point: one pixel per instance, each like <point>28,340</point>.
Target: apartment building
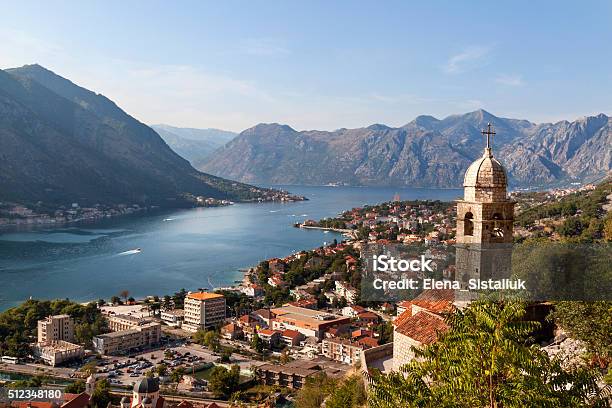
<point>311,323</point>
<point>342,350</point>
<point>120,342</point>
<point>58,327</point>
<point>203,310</point>
<point>56,352</point>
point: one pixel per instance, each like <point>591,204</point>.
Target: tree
<point>115,300</point>
<point>209,339</point>
<point>124,294</point>
<point>76,387</point>
<point>224,382</point>
<point>486,360</point>
<point>607,228</point>
<point>176,376</point>
<point>589,322</point>
<point>257,343</point>
<point>101,396</point>
<point>314,391</point>
<point>161,369</point>
<point>349,394</point>
<point>101,302</point>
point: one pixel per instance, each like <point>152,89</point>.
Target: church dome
<point>485,172</point>
<point>146,386</point>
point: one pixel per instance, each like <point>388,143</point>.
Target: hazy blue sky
<point>322,65</point>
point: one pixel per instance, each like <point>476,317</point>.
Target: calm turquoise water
<point>190,249</point>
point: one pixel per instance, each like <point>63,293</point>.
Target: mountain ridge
<point>62,143</point>
<point>425,152</point>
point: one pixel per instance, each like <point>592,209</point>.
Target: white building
<point>203,310</point>
<point>58,327</point>
<point>173,317</point>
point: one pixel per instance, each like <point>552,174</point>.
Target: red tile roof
<point>368,341</point>
<point>291,333</point>
<point>423,327</point>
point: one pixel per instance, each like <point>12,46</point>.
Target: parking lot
<point>124,371</point>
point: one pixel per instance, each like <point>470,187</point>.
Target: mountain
<point>61,143</point>
<point>193,144</point>
<point>427,152</point>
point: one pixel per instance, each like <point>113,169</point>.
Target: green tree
<point>208,338</point>
<point>101,396</point>
<point>589,322</point>
<point>349,394</point>
<point>314,391</point>
<point>161,369</point>
<point>224,382</point>
<point>76,387</point>
<point>486,360</point>
<point>257,343</point>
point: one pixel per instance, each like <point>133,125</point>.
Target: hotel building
<point>203,310</point>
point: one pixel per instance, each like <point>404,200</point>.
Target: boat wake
<point>168,219</point>
<point>131,252</point>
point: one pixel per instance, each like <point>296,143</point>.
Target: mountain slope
<point>62,143</point>
<point>426,152</point>
<point>193,144</point>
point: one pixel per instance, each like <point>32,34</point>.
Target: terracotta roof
<point>267,332</point>
<point>265,313</point>
<point>291,333</point>
<point>367,315</point>
<point>79,401</point>
<point>402,317</point>
<point>368,341</point>
<point>435,300</point>
<point>204,295</point>
<point>423,327</point>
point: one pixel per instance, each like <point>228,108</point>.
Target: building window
<point>498,228</point>
<point>468,224</point>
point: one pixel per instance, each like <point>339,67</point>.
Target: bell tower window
<point>498,228</point>
<point>468,224</point>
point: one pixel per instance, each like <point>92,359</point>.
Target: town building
<point>291,338</point>
<point>311,323</point>
<point>231,331</point>
<point>57,352</point>
<point>271,338</point>
<point>173,317</point>
<point>203,310</point>
<point>342,350</point>
<point>140,336</point>
<point>58,327</point>
<point>293,374</point>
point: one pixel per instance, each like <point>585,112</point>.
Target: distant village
<point>14,214</point>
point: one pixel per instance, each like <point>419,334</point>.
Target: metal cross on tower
<point>488,133</point>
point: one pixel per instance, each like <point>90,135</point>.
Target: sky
<point>322,64</point>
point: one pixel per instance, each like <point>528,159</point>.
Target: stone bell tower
<point>485,220</point>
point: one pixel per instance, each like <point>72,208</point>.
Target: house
<point>264,317</point>
<point>276,281</point>
<point>291,338</point>
<point>270,337</point>
<point>342,350</point>
<point>253,290</point>
<point>173,317</point>
<point>352,311</point>
<point>231,331</point>
<point>367,318</point>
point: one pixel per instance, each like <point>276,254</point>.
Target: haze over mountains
<point>193,144</point>
<point>427,152</point>
<point>61,143</point>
